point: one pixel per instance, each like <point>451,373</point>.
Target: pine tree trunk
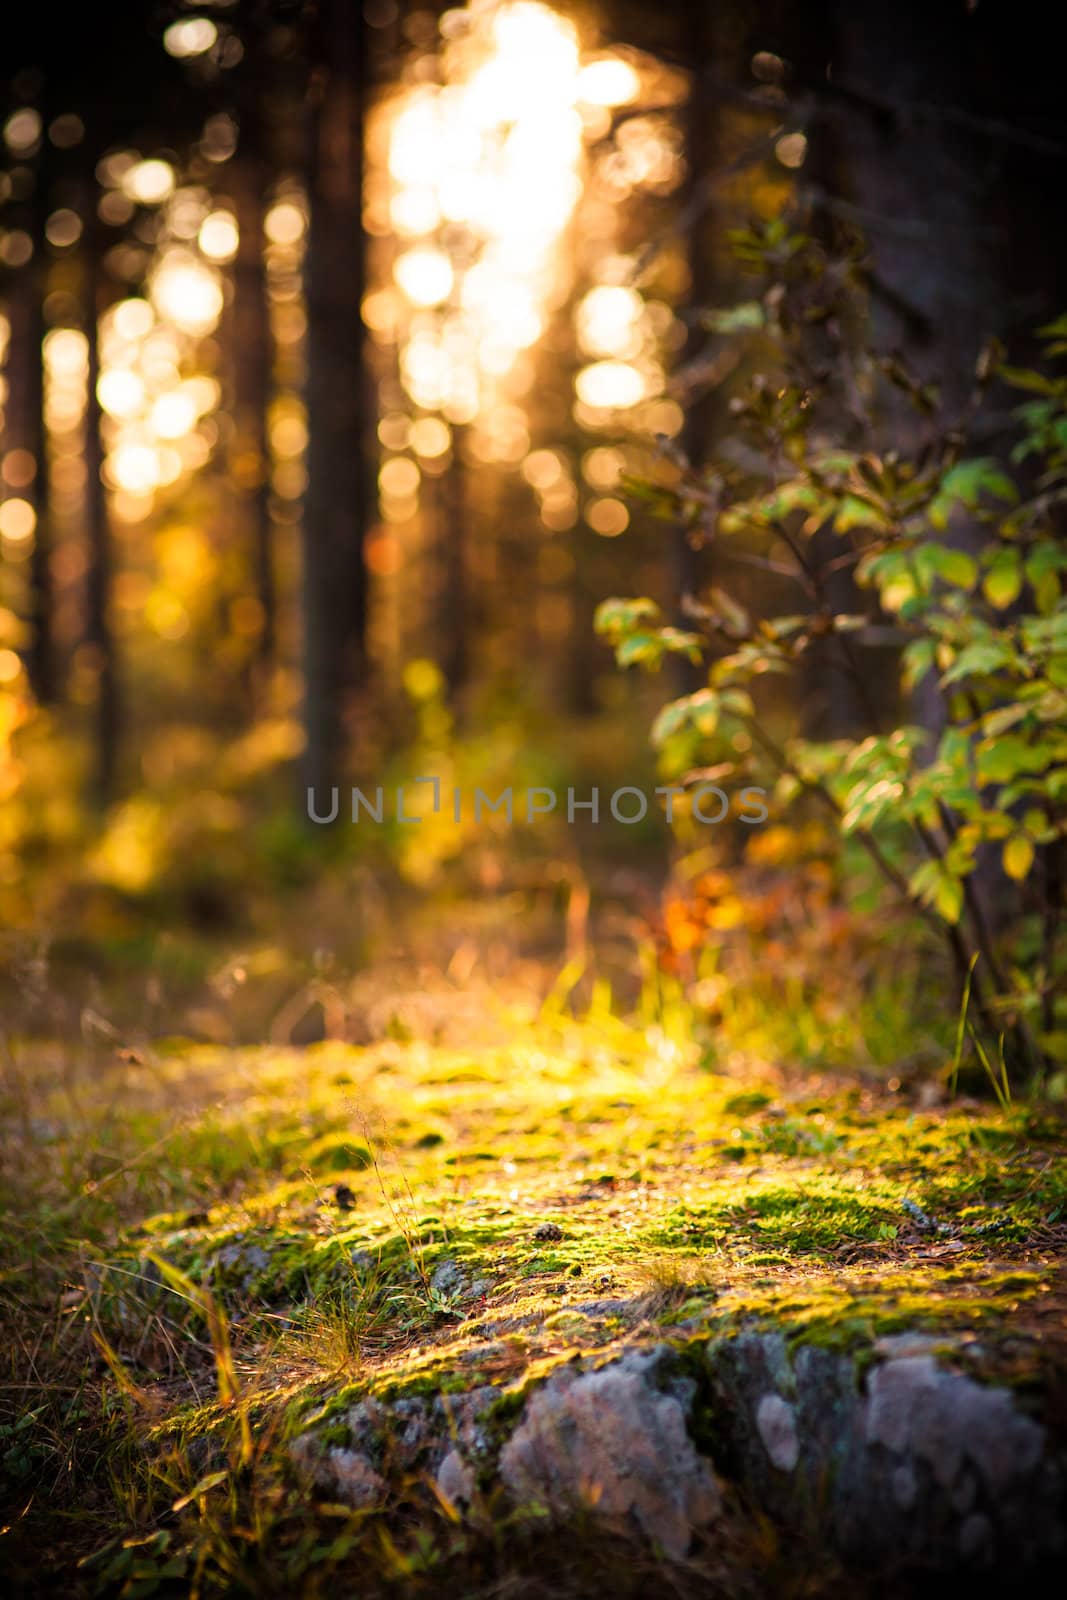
<point>29,397</point>
<point>334,586</point>
<point>253,376</point>
<point>98,633</point>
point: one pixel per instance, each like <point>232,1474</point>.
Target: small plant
<point>952,561</point>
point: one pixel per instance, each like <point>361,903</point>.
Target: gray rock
<point>611,1442</point>
<point>905,1488</point>
<point>394,1435</point>
<point>354,1478</point>
<point>918,1410</point>
<point>888,1453</point>
<point>348,1475</point>
<point>907,1462</point>
<point>776,1421</point>
<point>241,1258</point>
<point>447,1278</point>
<point>455,1479</point>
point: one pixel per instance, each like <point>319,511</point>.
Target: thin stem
<point>962,954</point>
<point>982,939</point>
<point>1053,911</point>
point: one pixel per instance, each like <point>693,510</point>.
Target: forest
<point>533,799</point>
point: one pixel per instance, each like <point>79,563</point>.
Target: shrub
<point>840,462</point>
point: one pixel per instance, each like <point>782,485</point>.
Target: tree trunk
<point>98,632</point>
<point>253,376</point>
<point>334,585</point>
<point>28,383</point>
<point>701,146</point>
<point>940,134</point>
<point>454,579</point>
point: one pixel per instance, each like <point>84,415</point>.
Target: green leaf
<point>948,899</point>
<point>738,701</point>
<point>212,1481</point>
<point>954,566</point>
<point>614,617</point>
<point>857,513</point>
<point>964,485</point>
<point>1046,592</point>
<point>897,591</point>
<point>743,318</point>
<point>1004,580</point>
<point>1004,717</point>
<point>917,660</point>
<point>1002,760</point>
<point>638,648</point>
<point>679,643</point>
<point>1054,1044</point>
<point>727,610</point>
<point>1018,856</point>
<point>978,660</point>
<point>1045,557</point>
<point>1027,378</point>
<point>782,627</point>
<point>700,711</point>
<point>796,495</point>
<point>934,885</point>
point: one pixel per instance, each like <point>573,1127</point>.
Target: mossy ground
<point>202,1237</point>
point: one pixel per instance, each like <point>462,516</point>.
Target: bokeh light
<point>608,82</point>
<point>22,130</point>
<point>186,293</point>
<point>148,182</point>
<point>494,187</point>
<point>192,36</point>
<point>218,236</point>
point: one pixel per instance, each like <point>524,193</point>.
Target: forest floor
<point>272,1313</point>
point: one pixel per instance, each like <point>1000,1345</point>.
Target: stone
<point>917,1409</point>
<point>455,1479</point>
<point>905,1462</point>
<point>611,1442</point>
<point>348,1475</point>
<point>905,1488</point>
<point>447,1278</point>
<point>776,1421</point>
<point>354,1478</point>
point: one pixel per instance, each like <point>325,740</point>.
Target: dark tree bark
<point>454,586</point>
<point>701,148</point>
<point>253,378</point>
<point>98,631</point>
<point>334,583</point>
<point>937,133</point>
<point>940,133</point>
<point>28,382</point>
<point>585,657</point>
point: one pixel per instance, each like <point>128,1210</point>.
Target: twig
<point>703,193</point>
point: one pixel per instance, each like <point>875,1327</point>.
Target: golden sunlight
<point>495,196</point>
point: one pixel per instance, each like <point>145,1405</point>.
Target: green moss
<point>843,1316</point>
<point>692,1207</point>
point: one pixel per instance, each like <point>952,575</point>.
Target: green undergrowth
<point>228,1248</point>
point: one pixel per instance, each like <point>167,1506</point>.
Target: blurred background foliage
<point>352,356</point>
